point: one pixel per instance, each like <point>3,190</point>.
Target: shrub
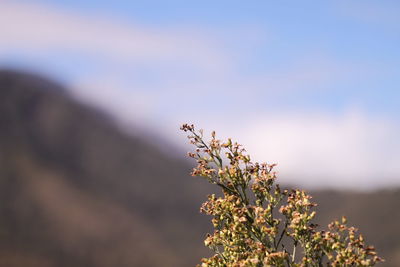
<point>259,224</point>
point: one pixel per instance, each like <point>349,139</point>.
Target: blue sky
<point>293,80</point>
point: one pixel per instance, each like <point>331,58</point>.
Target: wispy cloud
<point>42,28</point>
<point>348,150</point>
<point>316,150</point>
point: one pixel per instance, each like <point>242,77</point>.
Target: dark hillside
<point>76,191</point>
<point>74,188</point>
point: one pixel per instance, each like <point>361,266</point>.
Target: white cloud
<point>351,150</point>
<point>36,27</point>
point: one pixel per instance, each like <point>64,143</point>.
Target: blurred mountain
<point>75,190</point>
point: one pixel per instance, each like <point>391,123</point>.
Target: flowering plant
<point>259,224</point>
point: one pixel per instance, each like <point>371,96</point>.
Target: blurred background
<point>92,93</point>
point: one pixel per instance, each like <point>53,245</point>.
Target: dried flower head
<point>258,224</point>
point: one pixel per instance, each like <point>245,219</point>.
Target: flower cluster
<point>258,224</point>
